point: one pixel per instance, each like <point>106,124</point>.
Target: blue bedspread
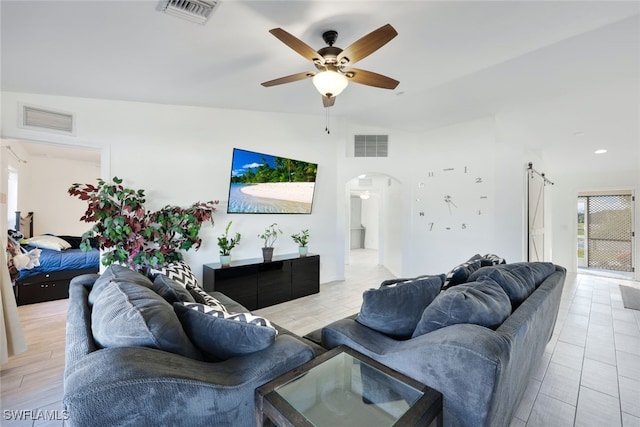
<point>69,259</point>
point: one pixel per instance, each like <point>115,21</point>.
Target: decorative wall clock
<point>453,198</point>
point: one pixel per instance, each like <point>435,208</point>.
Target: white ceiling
<point>455,60</point>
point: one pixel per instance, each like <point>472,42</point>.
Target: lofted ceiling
<point>555,69</point>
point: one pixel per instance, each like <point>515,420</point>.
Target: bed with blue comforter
<point>50,280</point>
<point>55,261</point>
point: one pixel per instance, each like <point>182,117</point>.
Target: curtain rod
<point>546,180</point>
<point>18,158</point>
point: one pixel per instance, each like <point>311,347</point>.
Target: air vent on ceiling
<point>371,146</point>
<point>192,10</point>
<point>46,120</point>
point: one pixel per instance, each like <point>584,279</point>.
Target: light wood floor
<point>589,375</point>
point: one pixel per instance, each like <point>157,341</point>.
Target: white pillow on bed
<point>48,242</point>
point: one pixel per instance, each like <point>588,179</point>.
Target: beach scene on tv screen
<point>262,183</point>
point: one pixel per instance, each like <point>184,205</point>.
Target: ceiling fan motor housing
<point>330,37</point>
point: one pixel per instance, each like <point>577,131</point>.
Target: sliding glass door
<point>605,221</point>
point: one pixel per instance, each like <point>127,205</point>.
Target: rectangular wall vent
<point>197,11</point>
<point>371,146</point>
<point>48,120</point>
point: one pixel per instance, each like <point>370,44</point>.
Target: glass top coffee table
<point>345,388</point>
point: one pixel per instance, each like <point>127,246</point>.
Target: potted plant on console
<point>226,244</point>
<point>269,237</point>
<point>302,239</point>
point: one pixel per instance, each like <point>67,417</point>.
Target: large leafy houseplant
<point>131,235</point>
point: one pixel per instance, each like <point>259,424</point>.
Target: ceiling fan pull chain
<point>326,121</point>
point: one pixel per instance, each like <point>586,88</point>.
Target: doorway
<point>605,233</point>
<point>373,226</point>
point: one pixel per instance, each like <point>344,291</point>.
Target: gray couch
<point>481,372</point>
<point>141,386</point>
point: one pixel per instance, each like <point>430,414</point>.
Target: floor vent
<point>197,11</point>
<point>46,120</point>
<point>371,146</point>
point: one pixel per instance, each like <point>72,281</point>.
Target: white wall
<point>411,156</point>
<point>55,211</point>
<point>181,155</point>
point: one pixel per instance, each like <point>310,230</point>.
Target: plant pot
<point>267,254</point>
<point>303,251</point>
<point>225,260</point>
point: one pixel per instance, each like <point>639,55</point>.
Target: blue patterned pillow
<point>220,335</point>
<point>481,303</point>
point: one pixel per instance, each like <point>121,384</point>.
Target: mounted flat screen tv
<point>263,183</point>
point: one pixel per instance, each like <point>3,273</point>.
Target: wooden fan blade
<point>296,44</point>
<point>328,102</point>
<point>370,78</point>
<point>366,45</point>
<point>289,79</point>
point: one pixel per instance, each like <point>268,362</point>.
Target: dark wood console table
<point>257,284</point>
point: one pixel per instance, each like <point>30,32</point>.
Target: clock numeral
<point>465,169</point>
<point>421,185</point>
<point>479,211</point>
<point>483,197</point>
<point>420,213</point>
<point>478,180</point>
<point>448,228</point>
<point>448,169</point>
<point>464,226</point>
<point>430,226</point>
<point>430,174</point>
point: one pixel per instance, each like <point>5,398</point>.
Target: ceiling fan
<point>334,64</point>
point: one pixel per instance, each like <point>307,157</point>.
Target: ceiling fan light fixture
<point>330,83</point>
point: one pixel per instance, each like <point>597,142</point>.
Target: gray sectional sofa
<point>115,377</point>
<point>482,371</point>
<point>147,352</point>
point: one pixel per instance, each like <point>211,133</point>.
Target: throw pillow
<point>481,303</point>
<point>460,273</point>
<point>181,273</point>
<point>220,335</point>
<point>170,290</point>
<point>129,315</point>
<point>494,259</point>
<point>395,309</point>
<point>117,273</point>
<point>398,280</point>
<point>533,272</point>
<point>53,243</point>
<point>513,281</point>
